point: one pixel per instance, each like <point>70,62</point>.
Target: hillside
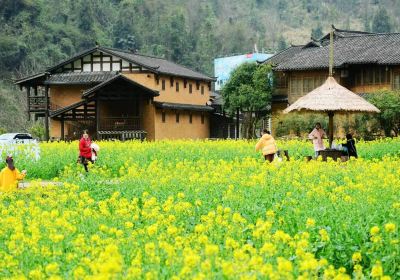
<point>36,34</point>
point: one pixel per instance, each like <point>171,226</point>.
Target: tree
<point>249,89</point>
<point>389,117</point>
<point>282,43</point>
<point>381,22</point>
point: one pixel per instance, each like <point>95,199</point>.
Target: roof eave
<point>92,90</point>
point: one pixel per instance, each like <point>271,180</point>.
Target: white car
<point>16,138</point>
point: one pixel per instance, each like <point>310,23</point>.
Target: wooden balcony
<point>122,135</point>
<point>120,124</point>
<point>37,103</point>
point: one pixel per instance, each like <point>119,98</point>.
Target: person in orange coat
<point>267,145</point>
<point>10,175</point>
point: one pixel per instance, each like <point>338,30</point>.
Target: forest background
<point>35,34</point>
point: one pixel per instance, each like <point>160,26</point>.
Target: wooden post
<point>330,114</point>
<point>28,95</point>
<point>237,124</point>
<point>97,117</point>
<point>331,54</point>
<point>46,113</point>
<point>62,128</point>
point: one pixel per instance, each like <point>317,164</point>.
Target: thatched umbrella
<point>332,98</point>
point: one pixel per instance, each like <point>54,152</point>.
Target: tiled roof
<point>179,106</point>
<point>160,65</point>
<point>79,78</point>
<point>153,64</point>
<point>349,48</point>
<point>283,55</point>
<point>217,99</point>
<point>120,78</point>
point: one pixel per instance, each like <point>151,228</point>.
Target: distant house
<point>363,62</point>
<point>120,94</point>
<point>223,66</point>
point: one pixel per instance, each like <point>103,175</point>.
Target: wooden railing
<point>120,124</point>
<point>37,103</point>
<point>122,135</point>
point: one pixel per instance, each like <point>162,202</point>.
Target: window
<point>190,118</point>
<point>202,118</point>
<point>281,80</point>
<point>372,76</point>
<point>202,90</point>
<point>171,81</point>
<point>296,86</point>
<point>190,88</point>
<point>319,80</point>
<point>308,85</point>
<point>163,84</point>
<point>177,117</point>
<point>177,86</point>
<point>396,81</point>
<point>197,85</point>
<point>163,117</point>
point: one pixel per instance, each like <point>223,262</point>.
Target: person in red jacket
<point>85,151</point>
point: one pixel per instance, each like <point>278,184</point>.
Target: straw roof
<point>332,97</point>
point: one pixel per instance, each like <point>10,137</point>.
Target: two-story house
<point>120,94</point>
<point>363,62</point>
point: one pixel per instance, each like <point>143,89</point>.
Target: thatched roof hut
<point>332,98</point>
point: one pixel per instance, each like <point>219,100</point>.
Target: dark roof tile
<point>79,78</point>
<point>179,106</point>
<point>349,48</point>
<point>160,65</point>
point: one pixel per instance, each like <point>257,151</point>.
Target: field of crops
<point>191,209</point>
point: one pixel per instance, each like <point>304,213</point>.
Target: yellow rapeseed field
<point>202,210</point>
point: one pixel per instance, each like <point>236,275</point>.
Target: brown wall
<point>148,118</point>
<point>62,96</point>
<point>170,94</point>
<point>55,129</point>
<point>182,130</point>
<point>66,95</point>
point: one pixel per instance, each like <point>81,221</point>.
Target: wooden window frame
<point>394,85</point>
<point>202,90</point>
<point>177,86</point>
<point>163,117</point>
<point>190,118</point>
<point>163,84</point>
<point>177,116</point>
<point>190,88</point>
<point>202,118</point>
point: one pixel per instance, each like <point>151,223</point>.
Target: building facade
<point>120,95</point>
<point>363,62</point>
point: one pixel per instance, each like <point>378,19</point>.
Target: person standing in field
<point>317,136</point>
<point>10,175</point>
<point>85,151</point>
<point>267,145</point>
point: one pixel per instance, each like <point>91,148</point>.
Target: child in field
<point>10,175</point>
<point>95,149</point>
<point>350,146</point>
